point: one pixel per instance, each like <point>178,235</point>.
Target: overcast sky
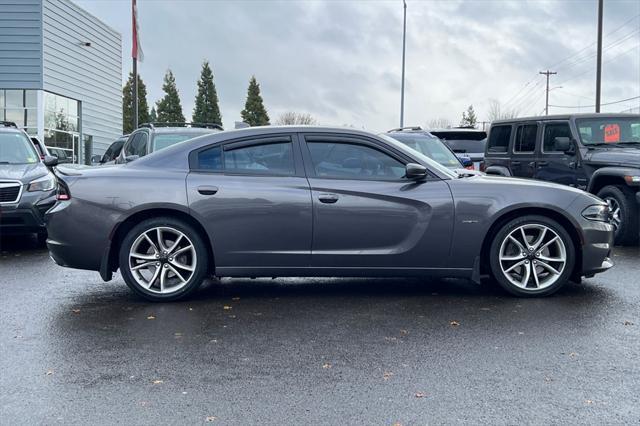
<point>341,60</point>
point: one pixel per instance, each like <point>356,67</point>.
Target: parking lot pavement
<point>77,350</point>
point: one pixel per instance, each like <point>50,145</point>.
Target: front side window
<point>269,158</point>
<point>609,130</point>
<point>353,161</point>
<point>526,138</point>
<point>499,139</point>
<point>553,131</point>
<point>16,148</point>
<point>113,151</point>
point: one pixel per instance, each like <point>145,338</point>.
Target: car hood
<point>25,173</point>
<point>614,156</point>
<point>521,183</point>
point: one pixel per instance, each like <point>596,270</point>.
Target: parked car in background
<point>39,146</point>
<point>314,201</point>
<point>599,153</point>
<point>465,142</point>
<point>112,153</point>
<point>425,143</point>
<point>64,156</point>
<point>27,187</point>
<point>151,137</point>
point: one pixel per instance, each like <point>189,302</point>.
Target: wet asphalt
<point>75,350</point>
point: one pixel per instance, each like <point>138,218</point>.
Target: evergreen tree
<point>127,104</point>
<point>206,109</point>
<point>153,116</point>
<point>254,112</point>
<point>169,109</point>
<point>469,118</point>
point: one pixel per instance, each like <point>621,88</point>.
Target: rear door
<point>254,200</point>
<point>523,158</point>
<point>366,214</point>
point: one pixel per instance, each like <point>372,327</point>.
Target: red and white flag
<point>136,48</point>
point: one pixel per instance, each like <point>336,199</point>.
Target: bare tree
<point>290,117</point>
<point>439,123</point>
<point>497,113</point>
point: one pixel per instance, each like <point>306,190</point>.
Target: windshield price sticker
<point>612,133</point>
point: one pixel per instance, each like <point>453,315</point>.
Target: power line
<point>591,106</point>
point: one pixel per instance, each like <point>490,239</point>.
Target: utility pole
<point>599,57</point>
<point>404,43</point>
<point>548,74</point>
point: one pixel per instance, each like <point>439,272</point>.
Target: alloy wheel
<point>162,260</point>
<point>532,257</point>
<point>614,208</point>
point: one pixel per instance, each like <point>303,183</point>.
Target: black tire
<point>41,238</point>
<point>627,232</point>
<point>199,271</point>
<point>514,224</point>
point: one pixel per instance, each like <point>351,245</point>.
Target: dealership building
<point>60,75</point>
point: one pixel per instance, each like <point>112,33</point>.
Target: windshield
<point>430,146</point>
<point>609,130</point>
<point>412,152</point>
<point>16,148</point>
<point>165,140</point>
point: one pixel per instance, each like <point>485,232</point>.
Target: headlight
<point>596,212</point>
<point>45,183</point>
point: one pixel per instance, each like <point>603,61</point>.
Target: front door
<point>523,159</point>
<point>254,200</point>
<point>554,165</point>
<point>366,215</point>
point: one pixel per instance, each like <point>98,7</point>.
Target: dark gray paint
<point>275,226</point>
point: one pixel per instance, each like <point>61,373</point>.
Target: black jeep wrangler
<point>599,153</point>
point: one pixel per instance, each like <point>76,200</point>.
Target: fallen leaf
<point>588,401</point>
<point>75,311</point>
<point>405,332</point>
<point>151,317</point>
<point>520,333</point>
<point>50,373</point>
<point>387,375</point>
<point>326,365</point>
<point>573,354</point>
<point>226,307</point>
<point>627,322</point>
<point>209,419</point>
<point>177,335</point>
<point>420,395</point>
<point>548,379</point>
<point>454,323</point>
<point>158,382</point>
<point>235,298</point>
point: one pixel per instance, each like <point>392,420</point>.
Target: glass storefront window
<point>14,98</point>
<point>62,125</point>
<point>15,115</point>
<point>30,99</point>
<point>1,101</point>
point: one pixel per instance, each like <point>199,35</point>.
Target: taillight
<point>63,193</point>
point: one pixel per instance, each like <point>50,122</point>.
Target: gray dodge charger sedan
<point>311,201</point>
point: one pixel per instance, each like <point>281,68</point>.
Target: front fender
<point>616,172</point>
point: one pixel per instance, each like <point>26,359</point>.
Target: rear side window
<point>138,145</point>
<point>526,138</point>
<point>259,159</point>
<point>499,139</point>
<point>553,131</point>
<point>113,151</point>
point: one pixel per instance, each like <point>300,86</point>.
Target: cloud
<point>341,61</point>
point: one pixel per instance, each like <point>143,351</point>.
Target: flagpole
<point>135,66</point>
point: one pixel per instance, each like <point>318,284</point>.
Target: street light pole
<point>404,43</point>
<point>599,57</point>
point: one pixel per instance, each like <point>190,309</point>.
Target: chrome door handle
<point>328,198</point>
<point>207,190</point>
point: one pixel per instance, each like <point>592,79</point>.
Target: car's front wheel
<point>532,256</point>
<point>163,259</point>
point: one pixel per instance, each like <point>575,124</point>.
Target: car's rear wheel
<point>163,259</point>
<point>532,256</point>
<point>624,213</point>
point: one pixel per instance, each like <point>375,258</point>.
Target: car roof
<point>563,117</point>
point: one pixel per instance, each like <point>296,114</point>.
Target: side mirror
<point>466,162</point>
<point>416,171</point>
<point>95,159</point>
<point>50,160</point>
<point>563,143</point>
<point>130,158</point>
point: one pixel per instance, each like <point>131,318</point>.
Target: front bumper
<point>596,248</point>
<point>27,216</point>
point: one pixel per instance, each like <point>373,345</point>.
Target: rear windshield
<point>609,130</point>
<point>16,148</point>
<point>464,146</point>
<point>162,141</point>
<point>460,135</point>
<point>430,146</point>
